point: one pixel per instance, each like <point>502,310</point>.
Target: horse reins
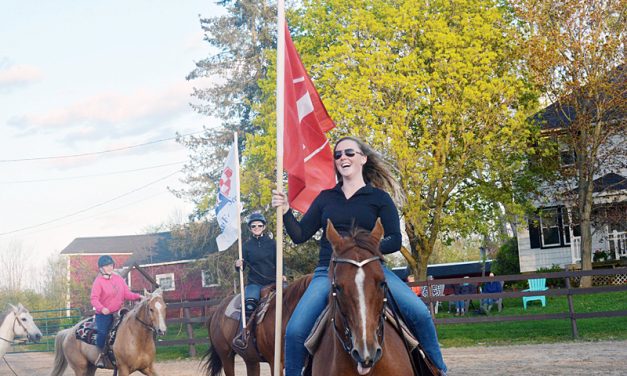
<point>347,339</point>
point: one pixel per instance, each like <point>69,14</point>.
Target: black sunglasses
<point>347,152</point>
<point>255,226</point>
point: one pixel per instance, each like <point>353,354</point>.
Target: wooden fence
<point>568,291</point>
<point>206,307</point>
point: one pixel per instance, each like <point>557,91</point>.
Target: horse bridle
<point>20,323</point>
<point>150,326</point>
<point>347,339</point>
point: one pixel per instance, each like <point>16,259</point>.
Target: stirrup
<point>240,341</point>
<point>100,363</point>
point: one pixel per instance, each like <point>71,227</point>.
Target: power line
<point>95,152</point>
<point>89,176</point>
<point>90,207</point>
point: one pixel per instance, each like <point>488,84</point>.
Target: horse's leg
<point>228,364</point>
<point>252,368</point>
<point>149,371</point>
<point>123,370</point>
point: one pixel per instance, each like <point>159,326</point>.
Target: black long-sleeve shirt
<point>361,210</point>
<point>260,258</point>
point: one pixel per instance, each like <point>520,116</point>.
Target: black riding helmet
<point>256,217</point>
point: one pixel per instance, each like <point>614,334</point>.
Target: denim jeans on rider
<point>417,317</point>
<point>252,291</point>
<point>303,319</point>
<point>103,324</point>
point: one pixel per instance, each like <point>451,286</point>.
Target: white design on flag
<point>318,150</point>
<point>226,208</point>
<point>304,105</point>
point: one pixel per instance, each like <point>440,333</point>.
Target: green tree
<point>576,52</point>
<point>438,88</point>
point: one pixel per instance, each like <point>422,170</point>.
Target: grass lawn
<point>544,331</point>
<point>504,333</point>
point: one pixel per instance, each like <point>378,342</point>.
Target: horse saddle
<point>315,336</point>
<point>87,332</point>
<point>234,308</point>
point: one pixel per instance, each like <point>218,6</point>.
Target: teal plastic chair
<point>538,284</point>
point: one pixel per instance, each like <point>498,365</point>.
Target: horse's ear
<point>332,235</point>
<point>14,308</point>
<point>146,293</point>
<point>20,307</point>
<point>377,231</point>
<point>158,292</point>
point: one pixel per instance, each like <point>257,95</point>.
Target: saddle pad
<point>313,340</point>
<point>234,308</point>
<point>86,331</point>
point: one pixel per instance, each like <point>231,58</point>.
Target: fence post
<point>190,331</point>
<point>571,309</point>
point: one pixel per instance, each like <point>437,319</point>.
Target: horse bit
<point>347,341</point>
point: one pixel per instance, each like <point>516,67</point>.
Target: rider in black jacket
<point>259,257</point>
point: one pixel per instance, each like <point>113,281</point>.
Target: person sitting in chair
<point>492,287</point>
<point>259,257</point>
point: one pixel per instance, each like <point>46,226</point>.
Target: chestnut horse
<point>353,341</point>
<point>222,330</point>
<point>134,346</point>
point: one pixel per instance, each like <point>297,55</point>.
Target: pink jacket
<point>110,293</point>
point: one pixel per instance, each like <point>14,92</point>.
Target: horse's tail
<point>60,362</point>
<point>211,362</point>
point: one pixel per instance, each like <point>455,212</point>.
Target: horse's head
<point>24,326</point>
<point>358,294</point>
<point>155,311</point>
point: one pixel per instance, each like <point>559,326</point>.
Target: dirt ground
<point>572,359</point>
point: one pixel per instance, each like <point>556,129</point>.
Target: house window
<point>549,227</point>
<point>565,225</point>
<point>567,154</point>
<point>208,280</point>
<point>166,281</point>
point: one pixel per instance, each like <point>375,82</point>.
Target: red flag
<point>307,156</point>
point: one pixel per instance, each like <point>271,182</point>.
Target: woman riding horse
<point>357,200</point>
<point>108,293</point>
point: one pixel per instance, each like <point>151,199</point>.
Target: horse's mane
<point>358,237</point>
<point>3,315</point>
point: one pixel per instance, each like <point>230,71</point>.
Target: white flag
<point>228,201</point>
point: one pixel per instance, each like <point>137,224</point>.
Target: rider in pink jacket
<point>108,293</point>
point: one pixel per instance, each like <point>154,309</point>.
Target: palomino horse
<point>17,323</point>
<point>222,330</point>
<point>353,341</point>
<point>134,346</point>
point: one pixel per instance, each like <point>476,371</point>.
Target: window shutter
<point>534,233</point>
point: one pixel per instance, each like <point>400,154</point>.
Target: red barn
<point>180,276</point>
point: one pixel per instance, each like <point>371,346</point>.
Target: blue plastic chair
<point>538,284</point>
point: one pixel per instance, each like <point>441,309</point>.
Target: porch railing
<point>616,244</point>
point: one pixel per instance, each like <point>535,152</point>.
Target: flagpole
<point>280,116</point>
<point>239,231</point>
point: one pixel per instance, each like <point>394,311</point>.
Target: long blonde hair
<point>376,171</point>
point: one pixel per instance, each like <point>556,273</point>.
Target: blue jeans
<point>415,312</point>
<point>417,317</point>
<point>301,322</point>
<point>252,291</point>
<point>460,304</point>
<point>103,324</point>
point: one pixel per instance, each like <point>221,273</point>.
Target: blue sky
<point>83,77</point>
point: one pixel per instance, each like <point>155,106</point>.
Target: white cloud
<point>18,75</point>
<point>111,114</point>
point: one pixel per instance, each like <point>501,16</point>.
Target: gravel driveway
<point>568,358</point>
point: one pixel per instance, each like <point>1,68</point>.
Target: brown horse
<point>353,342</point>
<point>222,330</point>
<point>134,346</point>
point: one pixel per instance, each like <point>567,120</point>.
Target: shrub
<point>506,261</point>
<point>553,282</point>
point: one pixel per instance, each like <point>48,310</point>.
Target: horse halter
<point>346,338</point>
<point>148,326</point>
<point>17,320</point>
